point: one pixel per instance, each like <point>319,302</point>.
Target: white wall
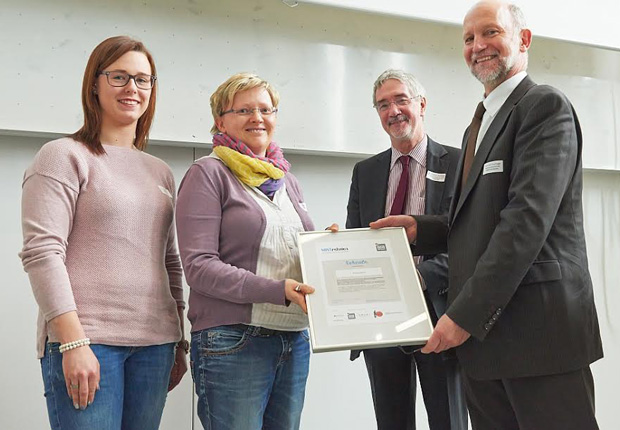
<point>592,22</point>
<point>601,202</point>
<point>338,394</point>
<point>324,61</point>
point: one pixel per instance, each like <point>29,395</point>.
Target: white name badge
<point>496,166</point>
<point>437,177</point>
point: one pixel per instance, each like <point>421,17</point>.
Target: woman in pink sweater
<point>99,249</point>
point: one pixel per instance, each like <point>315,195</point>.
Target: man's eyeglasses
<point>264,111</point>
<point>120,79</point>
<point>384,105</point>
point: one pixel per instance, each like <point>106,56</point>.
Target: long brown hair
<point>106,53</point>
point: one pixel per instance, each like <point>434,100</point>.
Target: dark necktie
<point>474,128</point>
<point>403,185</point>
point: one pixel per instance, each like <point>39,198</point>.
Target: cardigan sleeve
<point>172,259</point>
<point>198,218</point>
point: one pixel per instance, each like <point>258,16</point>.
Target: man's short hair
<point>517,16</point>
<point>414,86</point>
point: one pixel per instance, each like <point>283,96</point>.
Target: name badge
<point>437,177</point>
<point>496,166</point>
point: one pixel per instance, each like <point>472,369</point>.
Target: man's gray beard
<point>495,77</point>
<point>406,135</point>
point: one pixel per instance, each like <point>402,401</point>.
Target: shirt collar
<point>496,99</point>
<point>418,153</point>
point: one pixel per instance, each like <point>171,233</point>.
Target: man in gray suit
<point>521,311</point>
<point>415,175</point>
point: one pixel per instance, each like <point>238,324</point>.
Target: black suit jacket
<point>367,203</point>
<point>519,280</point>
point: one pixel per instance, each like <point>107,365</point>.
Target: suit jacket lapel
<point>489,140</point>
<point>378,178</point>
<point>459,174</point>
<point>436,161</point>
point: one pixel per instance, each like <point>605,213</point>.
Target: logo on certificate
<point>378,314</point>
<point>381,246</point>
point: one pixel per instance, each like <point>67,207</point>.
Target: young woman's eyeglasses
<point>264,111</point>
<point>120,79</point>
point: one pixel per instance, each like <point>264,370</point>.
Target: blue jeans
<point>133,388</point>
<point>250,378</point>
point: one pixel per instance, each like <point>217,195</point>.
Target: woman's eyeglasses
<point>120,79</point>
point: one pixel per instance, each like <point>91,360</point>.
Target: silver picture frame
<point>368,294</point>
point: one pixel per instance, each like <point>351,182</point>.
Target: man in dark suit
<point>520,311</point>
<point>415,176</point>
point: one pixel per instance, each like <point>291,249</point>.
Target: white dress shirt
<point>495,100</point>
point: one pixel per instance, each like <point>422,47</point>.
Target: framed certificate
<point>367,290</point>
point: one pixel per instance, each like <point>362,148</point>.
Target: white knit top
<point>278,258</point>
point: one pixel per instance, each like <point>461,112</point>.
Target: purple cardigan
<point>219,228</point>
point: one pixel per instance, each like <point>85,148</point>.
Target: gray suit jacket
<point>519,280</point>
<point>367,203</point>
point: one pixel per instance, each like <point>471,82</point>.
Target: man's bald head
<point>496,41</point>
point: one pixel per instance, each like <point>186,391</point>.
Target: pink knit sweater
<point>99,239</point>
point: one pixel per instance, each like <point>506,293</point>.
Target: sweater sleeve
<point>173,261</point>
<point>48,209</point>
<point>198,218</point>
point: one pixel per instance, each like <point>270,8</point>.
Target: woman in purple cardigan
<point>238,214</point>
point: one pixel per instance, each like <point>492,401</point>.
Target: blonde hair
<point>225,93</point>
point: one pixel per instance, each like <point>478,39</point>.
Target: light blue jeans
<point>250,378</point>
<point>133,388</point>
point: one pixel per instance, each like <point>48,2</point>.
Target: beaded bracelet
<point>74,344</point>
